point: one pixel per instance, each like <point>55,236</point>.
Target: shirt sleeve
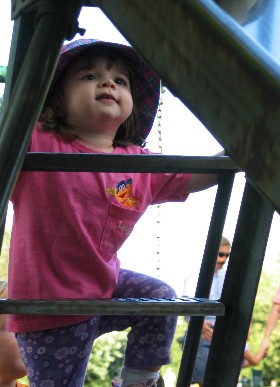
<point>170,187</point>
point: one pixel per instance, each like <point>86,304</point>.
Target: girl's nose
<point>107,82</point>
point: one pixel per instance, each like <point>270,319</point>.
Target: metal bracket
<point>22,6</point>
<point>42,7</point>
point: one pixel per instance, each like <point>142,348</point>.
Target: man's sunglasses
<point>221,255</point>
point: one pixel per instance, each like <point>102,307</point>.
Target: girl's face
<point>98,97</point>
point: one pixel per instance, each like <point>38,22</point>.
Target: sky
<point>168,241</point>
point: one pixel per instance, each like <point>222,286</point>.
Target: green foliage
<point>4,256</point>
<point>106,359</point>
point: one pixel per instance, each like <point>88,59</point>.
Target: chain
<point>160,147</point>
<point>159,117</point>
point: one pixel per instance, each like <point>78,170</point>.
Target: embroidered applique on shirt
<point>123,193</point>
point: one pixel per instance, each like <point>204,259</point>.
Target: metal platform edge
<point>115,306</point>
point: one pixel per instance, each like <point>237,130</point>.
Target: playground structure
<point>230,83</point>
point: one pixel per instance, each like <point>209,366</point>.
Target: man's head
<point>223,254</point>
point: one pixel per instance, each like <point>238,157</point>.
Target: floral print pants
<point>59,357</point>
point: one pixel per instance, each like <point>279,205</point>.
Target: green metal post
<point>3,73</point>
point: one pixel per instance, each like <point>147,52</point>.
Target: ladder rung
<point>183,306</point>
<point>69,162</point>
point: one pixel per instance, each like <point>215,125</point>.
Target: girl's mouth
<point>106,96</point>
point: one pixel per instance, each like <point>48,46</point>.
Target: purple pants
<point>58,357</point>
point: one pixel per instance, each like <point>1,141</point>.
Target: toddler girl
<point>68,226</point>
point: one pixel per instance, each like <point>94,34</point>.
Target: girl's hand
<point>200,182</point>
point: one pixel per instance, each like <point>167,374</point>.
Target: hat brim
<point>147,83</point>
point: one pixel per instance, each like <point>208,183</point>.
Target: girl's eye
<point>89,77</point>
<point>121,81</point>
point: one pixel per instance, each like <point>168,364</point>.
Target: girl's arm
<point>250,359</point>
<point>272,321</point>
<point>199,182</point>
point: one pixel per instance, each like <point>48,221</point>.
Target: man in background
<point>209,321</point>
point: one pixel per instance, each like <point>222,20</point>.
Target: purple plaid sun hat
<point>147,83</point>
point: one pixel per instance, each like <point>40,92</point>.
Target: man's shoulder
<point>221,272</point>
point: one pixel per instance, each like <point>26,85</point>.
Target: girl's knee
<point>164,291</point>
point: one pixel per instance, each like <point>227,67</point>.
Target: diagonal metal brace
<point>43,7</point>
<point>31,78</point>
